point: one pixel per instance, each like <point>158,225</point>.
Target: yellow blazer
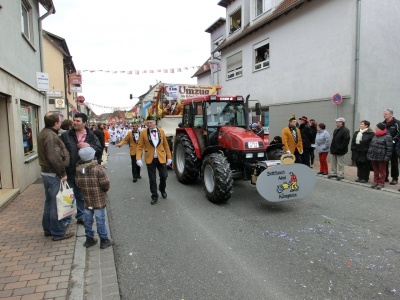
<point>289,142</point>
<point>146,144</point>
<point>132,142</point>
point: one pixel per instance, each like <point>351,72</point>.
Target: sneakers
<point>90,241</point>
<point>379,187</point>
<point>332,175</point>
<point>339,178</point>
<point>363,181</point>
<point>357,180</point>
<point>393,182</point>
<point>104,243</point>
<point>374,185</point>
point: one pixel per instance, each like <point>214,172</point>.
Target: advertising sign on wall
<point>184,91</point>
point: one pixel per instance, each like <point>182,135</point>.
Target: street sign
<point>81,99</point>
<point>337,98</point>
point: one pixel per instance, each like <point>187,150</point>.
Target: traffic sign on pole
<point>337,98</point>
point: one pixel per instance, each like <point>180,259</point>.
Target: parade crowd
<point>375,150</point>
<point>73,152</point>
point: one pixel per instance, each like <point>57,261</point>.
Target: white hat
<point>341,119</point>
<point>86,154</point>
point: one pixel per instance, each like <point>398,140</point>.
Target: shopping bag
<point>104,158</point>
<point>66,203</point>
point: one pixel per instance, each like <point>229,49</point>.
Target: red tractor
<point>213,142</point>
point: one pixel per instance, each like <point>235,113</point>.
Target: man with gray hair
<point>393,128</point>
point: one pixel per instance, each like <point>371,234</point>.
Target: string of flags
<point>90,104</point>
<point>205,67</point>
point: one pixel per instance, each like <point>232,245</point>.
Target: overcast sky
<point>129,35</point>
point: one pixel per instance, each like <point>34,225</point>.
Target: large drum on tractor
<point>213,143</point>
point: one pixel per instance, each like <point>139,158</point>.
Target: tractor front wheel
<point>217,178</point>
<point>186,164</point>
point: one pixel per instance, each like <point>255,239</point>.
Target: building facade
<point>22,105</point>
<point>294,55</point>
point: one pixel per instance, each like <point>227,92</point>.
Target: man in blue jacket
<point>80,136</point>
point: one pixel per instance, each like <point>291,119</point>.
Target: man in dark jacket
<point>339,147</point>
<point>53,157</point>
<point>100,135</point>
<point>393,128</point>
<point>307,137</point>
<point>74,139</point>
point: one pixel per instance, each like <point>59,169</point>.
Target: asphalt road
<point>340,243</point>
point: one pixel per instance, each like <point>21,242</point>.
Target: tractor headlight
<point>249,155</point>
<point>260,154</point>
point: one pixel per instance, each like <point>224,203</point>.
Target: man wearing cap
<point>339,147</point>
<point>307,138</point>
<point>53,158</point>
<point>153,142</point>
<point>291,139</point>
<point>133,139</point>
<point>74,139</point>
<point>393,128</point>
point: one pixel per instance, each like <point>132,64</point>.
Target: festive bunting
<point>205,67</point>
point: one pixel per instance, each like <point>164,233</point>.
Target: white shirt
<point>154,138</point>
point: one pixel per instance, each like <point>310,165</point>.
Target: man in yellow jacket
<point>291,139</point>
<point>133,139</point>
<point>154,144</point>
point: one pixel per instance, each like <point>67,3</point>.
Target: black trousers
<point>298,156</point>
<point>394,165</point>
<point>363,169</point>
<point>135,167</point>
<point>152,172</point>
<point>305,156</point>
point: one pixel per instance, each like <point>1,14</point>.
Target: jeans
<point>100,215</point>
<point>80,202</point>
<point>152,172</point>
<point>379,171</point>
<point>51,224</point>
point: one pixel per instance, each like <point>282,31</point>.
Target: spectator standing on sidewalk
<point>314,130</point>
<point>100,135</point>
<point>92,179</point>
<point>322,144</point>
<point>359,149</point>
<point>291,139</point>
<point>339,147</point>
<point>153,142</point>
<point>53,158</point>
<point>307,139</point>
<point>74,139</point>
<point>393,128</point>
<point>379,153</point>
<point>132,138</point>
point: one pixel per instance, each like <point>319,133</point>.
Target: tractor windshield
<point>225,113</point>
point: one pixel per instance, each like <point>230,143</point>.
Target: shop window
<point>26,20</point>
<point>29,125</point>
<point>262,6</point>
<point>234,66</point>
<point>261,56</point>
<point>235,21</point>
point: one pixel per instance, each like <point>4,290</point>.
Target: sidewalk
<point>35,267</point>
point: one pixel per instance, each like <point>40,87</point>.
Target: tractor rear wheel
<point>186,164</point>
<point>217,178</point>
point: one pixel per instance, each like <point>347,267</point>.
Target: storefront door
<point>6,178</point>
